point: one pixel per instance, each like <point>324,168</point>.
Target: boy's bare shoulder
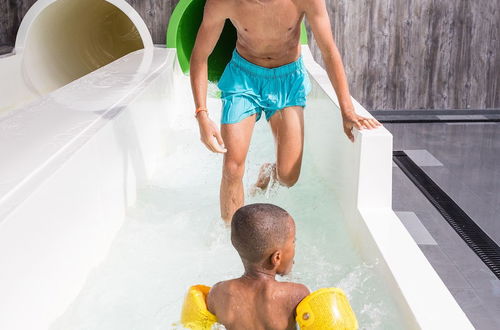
<point>221,288</point>
<point>219,293</point>
<point>294,292</point>
<point>297,289</point>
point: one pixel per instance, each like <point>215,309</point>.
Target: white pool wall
<point>72,164</point>
<point>70,158</point>
<point>361,175</point>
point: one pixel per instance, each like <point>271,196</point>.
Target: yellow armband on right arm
<point>326,309</point>
<point>195,314</point>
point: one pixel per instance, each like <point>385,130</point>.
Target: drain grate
<point>466,228</point>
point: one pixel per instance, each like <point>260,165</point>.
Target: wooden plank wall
<point>419,54</point>
<point>154,12</point>
<point>11,15</point>
<point>398,54</point>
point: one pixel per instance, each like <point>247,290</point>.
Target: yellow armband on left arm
<point>195,314</point>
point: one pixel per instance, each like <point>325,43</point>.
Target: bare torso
<point>268,30</point>
<point>262,305</point>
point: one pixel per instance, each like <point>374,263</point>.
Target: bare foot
<point>266,170</point>
<point>265,173</point>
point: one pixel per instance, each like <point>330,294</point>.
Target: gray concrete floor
<point>464,160</point>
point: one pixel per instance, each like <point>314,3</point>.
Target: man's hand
<point>210,134</point>
<point>351,119</point>
<point>215,13</point>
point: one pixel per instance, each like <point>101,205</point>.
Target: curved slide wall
<point>62,40</point>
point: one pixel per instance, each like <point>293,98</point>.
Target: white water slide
<point>109,202</point>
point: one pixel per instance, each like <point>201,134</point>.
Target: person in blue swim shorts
<point>249,89</point>
<point>265,77</point>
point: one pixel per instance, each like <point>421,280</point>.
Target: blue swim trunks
<point>248,89</point>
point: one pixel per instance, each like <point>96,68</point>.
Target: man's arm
<point>317,16</point>
<point>214,17</point>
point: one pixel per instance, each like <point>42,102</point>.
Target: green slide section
<point>181,34</point>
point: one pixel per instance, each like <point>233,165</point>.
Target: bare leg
<point>288,130</point>
<point>237,140</point>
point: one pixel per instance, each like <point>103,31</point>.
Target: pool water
<point>173,238</point>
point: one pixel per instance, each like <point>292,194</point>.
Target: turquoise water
<point>173,238</point>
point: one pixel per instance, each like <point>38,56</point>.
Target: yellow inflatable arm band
<point>326,309</point>
<point>195,314</point>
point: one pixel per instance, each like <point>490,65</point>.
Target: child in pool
<point>264,236</point>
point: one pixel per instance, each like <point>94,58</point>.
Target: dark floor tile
<point>451,276</point>
<point>491,300</point>
<point>483,213</point>
<point>481,278</point>
<point>471,176</point>
<point>435,256</point>
<point>466,298</point>
<point>475,309</point>
<point>471,172</point>
<point>406,197</point>
<point>483,322</point>
<point>440,230</point>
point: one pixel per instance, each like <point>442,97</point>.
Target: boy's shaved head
<point>257,229</point>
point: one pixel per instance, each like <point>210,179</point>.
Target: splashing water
<point>173,238</point>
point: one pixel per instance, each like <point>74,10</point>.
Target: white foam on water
<point>173,238</point>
